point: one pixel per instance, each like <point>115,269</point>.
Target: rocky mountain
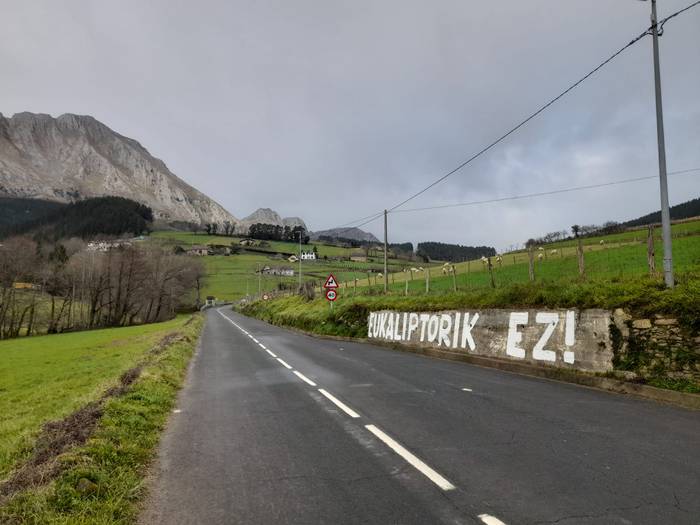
<point>267,216</point>
<point>73,157</point>
<point>345,233</point>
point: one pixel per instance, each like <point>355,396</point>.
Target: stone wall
<point>561,338</point>
<point>656,347</point>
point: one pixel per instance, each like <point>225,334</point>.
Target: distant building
<point>308,256</point>
<point>198,250</point>
<point>103,246</point>
<point>211,300</point>
<point>282,272</point>
<point>358,257</point>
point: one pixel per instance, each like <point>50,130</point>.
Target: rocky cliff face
<point>267,216</point>
<point>73,157</point>
<point>345,233</point>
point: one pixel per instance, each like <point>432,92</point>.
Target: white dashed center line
<point>418,464</point>
<point>342,406</point>
<point>411,459</point>
<point>490,520</point>
<point>304,378</point>
<point>284,364</point>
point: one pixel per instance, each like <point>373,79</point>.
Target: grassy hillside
<point>618,256</point>
<point>231,277</point>
<point>46,377</point>
<point>88,465</point>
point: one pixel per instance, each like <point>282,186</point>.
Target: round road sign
<point>331,295</point>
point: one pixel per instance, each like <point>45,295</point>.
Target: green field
<point>232,277</point>
<point>47,377</point>
<point>56,477</point>
<point>618,257</point>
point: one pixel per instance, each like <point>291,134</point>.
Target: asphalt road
<point>333,432</point>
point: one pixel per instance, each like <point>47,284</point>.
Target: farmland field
<point>232,277</point>
<point>47,377</point>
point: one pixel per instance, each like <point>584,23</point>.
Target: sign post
<point>331,286</point>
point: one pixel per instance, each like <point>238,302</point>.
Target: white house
<point>308,256</point>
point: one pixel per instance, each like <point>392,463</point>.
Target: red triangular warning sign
<point>331,282</point>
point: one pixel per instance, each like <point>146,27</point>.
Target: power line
<point>543,108</point>
<point>369,218</point>
<point>542,194</point>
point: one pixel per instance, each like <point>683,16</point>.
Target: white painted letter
<point>412,324</point>
<point>515,337</point>
<point>433,325</point>
<point>551,319</point>
<point>455,336</point>
<point>570,337</point>
<point>369,325</point>
<point>467,331</point>
<point>424,318</point>
<point>445,328</point>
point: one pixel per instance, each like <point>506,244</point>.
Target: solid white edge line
<point>261,346</point>
<point>284,363</point>
<point>490,520</point>
<point>273,355</point>
<point>304,378</point>
<point>411,459</point>
<point>342,406</point>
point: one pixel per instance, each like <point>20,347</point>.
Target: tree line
<point>48,221</point>
<point>440,251</point>
<point>51,288</point>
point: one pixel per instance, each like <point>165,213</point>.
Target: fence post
<point>454,278</point>
<point>490,267</point>
<point>427,279</point>
<point>651,261</point>
<point>581,261</point>
<point>531,263</point>
<point>406,292</point>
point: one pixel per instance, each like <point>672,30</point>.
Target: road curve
<point>278,427</point>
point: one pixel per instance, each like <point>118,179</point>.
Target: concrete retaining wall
<point>561,338</point>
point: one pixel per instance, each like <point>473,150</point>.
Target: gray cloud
<point>333,110</point>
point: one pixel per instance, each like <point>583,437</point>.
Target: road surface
<point>278,427</point>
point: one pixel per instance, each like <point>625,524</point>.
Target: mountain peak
<point>76,156</point>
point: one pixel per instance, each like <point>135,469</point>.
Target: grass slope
<point>47,378</point>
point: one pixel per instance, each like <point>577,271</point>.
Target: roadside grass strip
<point>100,478</point>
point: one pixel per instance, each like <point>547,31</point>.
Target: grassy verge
<point>99,479</point>
<point>643,297</point>
<point>348,317</point>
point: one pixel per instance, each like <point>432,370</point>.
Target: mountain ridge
<point>71,157</point>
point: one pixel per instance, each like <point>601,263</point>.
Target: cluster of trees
<point>50,288</point>
<point>270,232</point>
<point>113,216</point>
<point>227,228</point>
<point>684,210</point>
<point>586,230</point>
<point>452,252</point>
<point>353,243</point>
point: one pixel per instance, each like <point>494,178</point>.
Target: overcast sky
<point>332,110</point>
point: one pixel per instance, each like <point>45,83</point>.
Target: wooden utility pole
<point>651,260</point>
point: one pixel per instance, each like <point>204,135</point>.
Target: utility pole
<point>299,232</point>
<point>663,180</point>
<point>386,251</point>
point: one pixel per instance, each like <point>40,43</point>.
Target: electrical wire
<point>542,193</point>
<point>370,218</point>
